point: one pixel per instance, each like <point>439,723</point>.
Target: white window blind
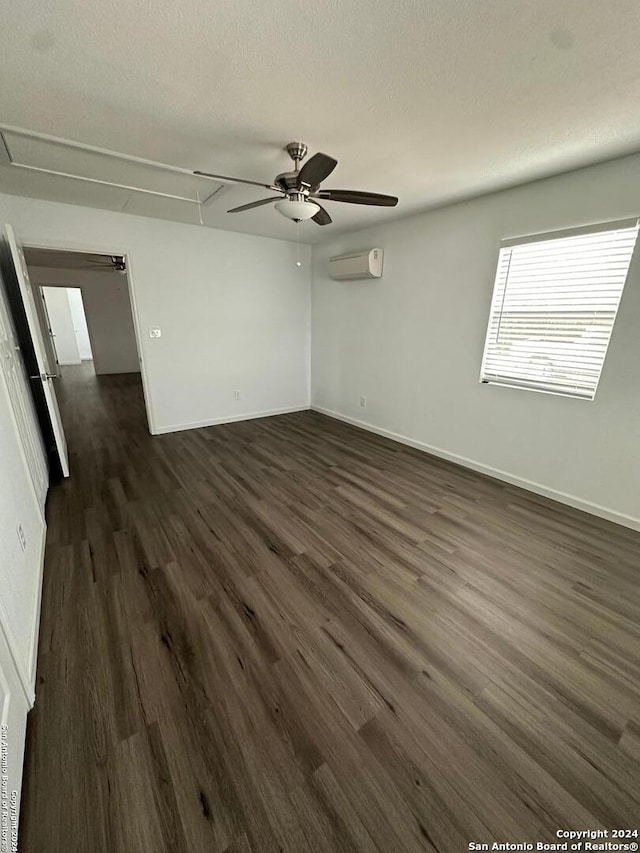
<point>554,304</point>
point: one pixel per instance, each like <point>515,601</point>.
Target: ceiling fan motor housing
<point>288,182</point>
<point>297,151</point>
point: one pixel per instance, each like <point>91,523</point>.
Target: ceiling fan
<point>300,189</point>
<point>107,263</point>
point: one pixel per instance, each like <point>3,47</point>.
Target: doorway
<point>65,325</point>
<point>109,308</point>
<point>99,285</point>
<point>86,317</point>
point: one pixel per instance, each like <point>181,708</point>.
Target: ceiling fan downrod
<point>297,151</point>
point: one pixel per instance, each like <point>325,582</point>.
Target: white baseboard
<point>229,419</point>
<point>505,476</point>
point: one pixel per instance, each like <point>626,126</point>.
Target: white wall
<point>80,323</point>
<point>412,344</point>
<point>108,314</point>
<point>234,309</point>
<point>110,321</point>
<point>61,323</point>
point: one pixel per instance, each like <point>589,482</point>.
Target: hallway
<point>288,634</point>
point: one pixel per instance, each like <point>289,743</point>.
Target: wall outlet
<point>22,539</point>
<point>363,402</point>
<point>236,395</point>
<point>155,333</point>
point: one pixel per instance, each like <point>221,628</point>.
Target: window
<point>554,303</point>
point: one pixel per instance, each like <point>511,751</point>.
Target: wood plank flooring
<point>289,635</point>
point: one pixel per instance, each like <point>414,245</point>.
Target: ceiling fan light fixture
<point>297,210</point>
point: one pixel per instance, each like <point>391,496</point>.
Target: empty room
<point>319,427</point>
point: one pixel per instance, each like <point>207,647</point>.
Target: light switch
<point>155,333</point>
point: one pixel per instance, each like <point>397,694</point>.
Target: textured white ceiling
<point>431,100</point>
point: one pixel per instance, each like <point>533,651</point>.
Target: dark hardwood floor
<point>289,635</point>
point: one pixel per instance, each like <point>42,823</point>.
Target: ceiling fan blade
<point>234,180</point>
<point>316,169</point>
<point>254,204</point>
<point>322,217</point>
<point>357,197</point>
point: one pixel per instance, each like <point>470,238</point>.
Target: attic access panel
<point>31,152</point>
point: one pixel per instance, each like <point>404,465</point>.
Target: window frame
<point>511,242</point>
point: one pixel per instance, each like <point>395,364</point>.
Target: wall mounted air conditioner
<point>367,264</point>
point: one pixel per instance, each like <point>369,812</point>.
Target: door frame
<point>95,249</point>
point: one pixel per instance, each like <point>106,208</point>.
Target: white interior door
<point>65,340</point>
<point>28,300</point>
<point>45,326</point>
<point>16,385</point>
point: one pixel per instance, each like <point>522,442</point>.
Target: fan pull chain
<point>298,261</point>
